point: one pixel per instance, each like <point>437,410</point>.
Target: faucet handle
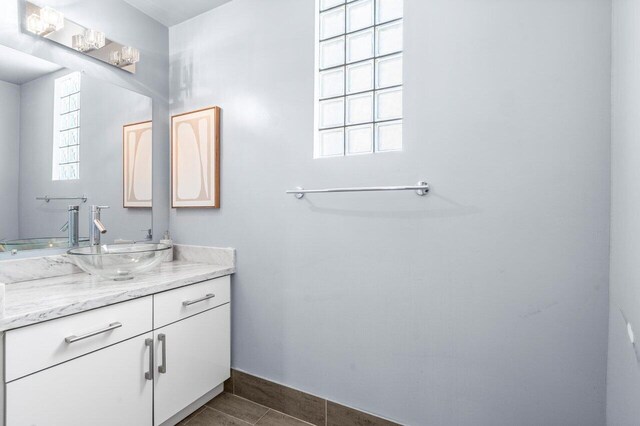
<point>102,207</point>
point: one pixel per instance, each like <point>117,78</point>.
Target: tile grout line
<point>295,418</point>
<point>274,410</point>
<point>195,414</point>
<point>283,386</point>
<point>268,410</point>
<point>227,414</point>
<point>323,400</point>
<point>326,413</point>
<point>250,401</point>
<point>253,402</point>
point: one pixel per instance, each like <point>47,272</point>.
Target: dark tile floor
<point>231,410</point>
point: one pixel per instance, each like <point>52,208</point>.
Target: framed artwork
<point>195,159</point>
<point>137,165</point>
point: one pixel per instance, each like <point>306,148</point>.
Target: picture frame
<point>137,165</point>
<point>195,159</point>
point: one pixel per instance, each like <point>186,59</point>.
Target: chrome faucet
<point>96,227</point>
<point>72,226</point>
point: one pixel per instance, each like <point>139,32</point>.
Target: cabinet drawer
<point>43,345</point>
<point>180,303</point>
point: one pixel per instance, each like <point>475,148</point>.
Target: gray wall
<point>104,109</point>
<point>484,303</point>
<point>623,376</point>
<point>9,157</point>
<point>127,25</point>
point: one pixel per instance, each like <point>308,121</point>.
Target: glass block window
<point>66,128</point>
<point>358,77</point>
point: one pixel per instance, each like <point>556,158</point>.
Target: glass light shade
<point>94,39</point>
<point>115,57</point>
<point>34,24</point>
<point>130,55</point>
<point>78,43</point>
<point>52,20</point>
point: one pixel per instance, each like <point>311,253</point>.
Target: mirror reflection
<point>69,142</point>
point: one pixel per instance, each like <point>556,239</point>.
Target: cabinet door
<point>196,360</point>
<point>107,387</point>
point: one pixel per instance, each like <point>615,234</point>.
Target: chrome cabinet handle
<point>202,299</point>
<point>149,374</point>
<point>163,339</point>
<point>75,338</point>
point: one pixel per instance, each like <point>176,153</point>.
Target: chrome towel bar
<point>421,188</point>
<point>47,198</point>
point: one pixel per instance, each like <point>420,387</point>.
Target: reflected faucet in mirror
<point>96,227</point>
<point>72,226</point>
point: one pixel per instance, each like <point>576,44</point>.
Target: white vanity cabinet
<point>192,344</point>
<point>191,355</point>
<point>102,388</point>
<point>147,361</point>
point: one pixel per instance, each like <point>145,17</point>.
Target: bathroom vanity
<point>79,350</point>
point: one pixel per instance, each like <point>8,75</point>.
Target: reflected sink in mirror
<point>38,243</point>
<point>119,261</point>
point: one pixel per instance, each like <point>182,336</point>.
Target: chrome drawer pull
<point>149,374</point>
<point>163,339</point>
<point>202,299</point>
<point>75,338</point>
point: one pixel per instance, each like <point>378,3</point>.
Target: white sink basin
<point>119,261</point>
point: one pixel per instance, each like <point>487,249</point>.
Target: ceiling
<point>172,12</point>
<point>19,67</point>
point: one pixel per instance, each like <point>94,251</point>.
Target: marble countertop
<point>46,298</point>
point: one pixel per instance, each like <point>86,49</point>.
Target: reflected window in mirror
<point>66,128</point>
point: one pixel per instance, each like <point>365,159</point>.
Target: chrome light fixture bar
<point>51,24</point>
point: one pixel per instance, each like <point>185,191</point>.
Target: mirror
<point>70,140</point>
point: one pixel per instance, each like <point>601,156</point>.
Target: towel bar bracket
<point>423,191</point>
